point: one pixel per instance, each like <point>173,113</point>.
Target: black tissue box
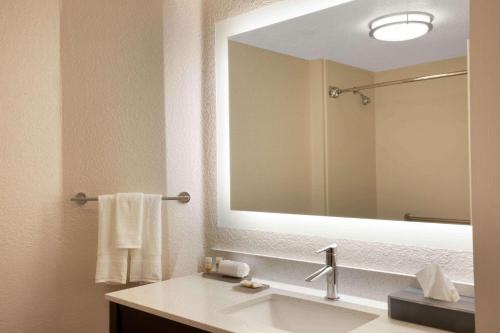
<point>410,305</point>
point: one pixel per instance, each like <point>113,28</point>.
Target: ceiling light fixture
<point>401,26</point>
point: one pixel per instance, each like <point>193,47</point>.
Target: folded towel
<point>145,263</point>
<point>233,268</point>
<point>129,218</point>
<point>111,261</point>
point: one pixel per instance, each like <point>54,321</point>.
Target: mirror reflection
<point>360,110</point>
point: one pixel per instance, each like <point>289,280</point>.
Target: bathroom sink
<point>299,315</point>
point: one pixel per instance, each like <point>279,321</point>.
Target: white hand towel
<point>145,263</point>
<point>111,261</point>
<point>233,268</point>
<point>129,218</point>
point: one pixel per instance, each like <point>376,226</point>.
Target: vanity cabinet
<point>123,319</point>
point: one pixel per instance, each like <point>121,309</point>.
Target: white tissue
<point>436,284</point>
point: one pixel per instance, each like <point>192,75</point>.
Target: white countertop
<point>198,302</point>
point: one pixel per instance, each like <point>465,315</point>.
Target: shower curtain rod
<point>335,92</point>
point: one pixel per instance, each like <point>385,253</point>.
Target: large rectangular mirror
<point>346,112</point>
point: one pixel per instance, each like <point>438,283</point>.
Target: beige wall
<point>113,133</point>
<point>31,223</point>
<point>485,160</point>
<point>350,146</point>
<point>415,137</point>
<point>185,112</point>
<point>317,136</point>
<point>270,134</point>
<point>422,143</point>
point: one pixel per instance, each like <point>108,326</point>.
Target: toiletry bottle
<point>207,265</point>
<point>217,262</point>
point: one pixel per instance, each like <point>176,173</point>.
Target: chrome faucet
<point>330,270</point>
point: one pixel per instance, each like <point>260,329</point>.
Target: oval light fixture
<point>401,26</point>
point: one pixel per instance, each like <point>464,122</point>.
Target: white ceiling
<point>341,34</point>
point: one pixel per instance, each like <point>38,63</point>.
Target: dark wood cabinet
<point>123,319</point>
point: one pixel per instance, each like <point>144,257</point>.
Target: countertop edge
<point>164,314</point>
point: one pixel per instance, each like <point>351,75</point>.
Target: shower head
<point>365,100</point>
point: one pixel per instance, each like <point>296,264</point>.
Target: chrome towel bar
<point>409,217</point>
<point>81,198</point>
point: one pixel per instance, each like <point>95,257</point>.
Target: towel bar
<point>81,198</point>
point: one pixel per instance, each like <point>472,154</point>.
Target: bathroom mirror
<point>349,111</point>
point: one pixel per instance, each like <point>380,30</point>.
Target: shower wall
<point>422,147</point>
<point>350,150</point>
<point>410,144</point>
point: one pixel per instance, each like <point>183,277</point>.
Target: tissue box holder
<point>410,305</point>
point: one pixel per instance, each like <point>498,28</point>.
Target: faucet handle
<point>330,248</point>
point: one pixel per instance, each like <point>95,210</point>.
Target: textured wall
<point>112,136</point>
<point>113,132</point>
<point>186,171</point>
<point>485,159</point>
<point>30,167</point>
<point>385,257</point>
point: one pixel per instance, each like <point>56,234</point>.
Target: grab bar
<point>409,217</point>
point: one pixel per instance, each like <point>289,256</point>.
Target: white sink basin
<point>299,315</point>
